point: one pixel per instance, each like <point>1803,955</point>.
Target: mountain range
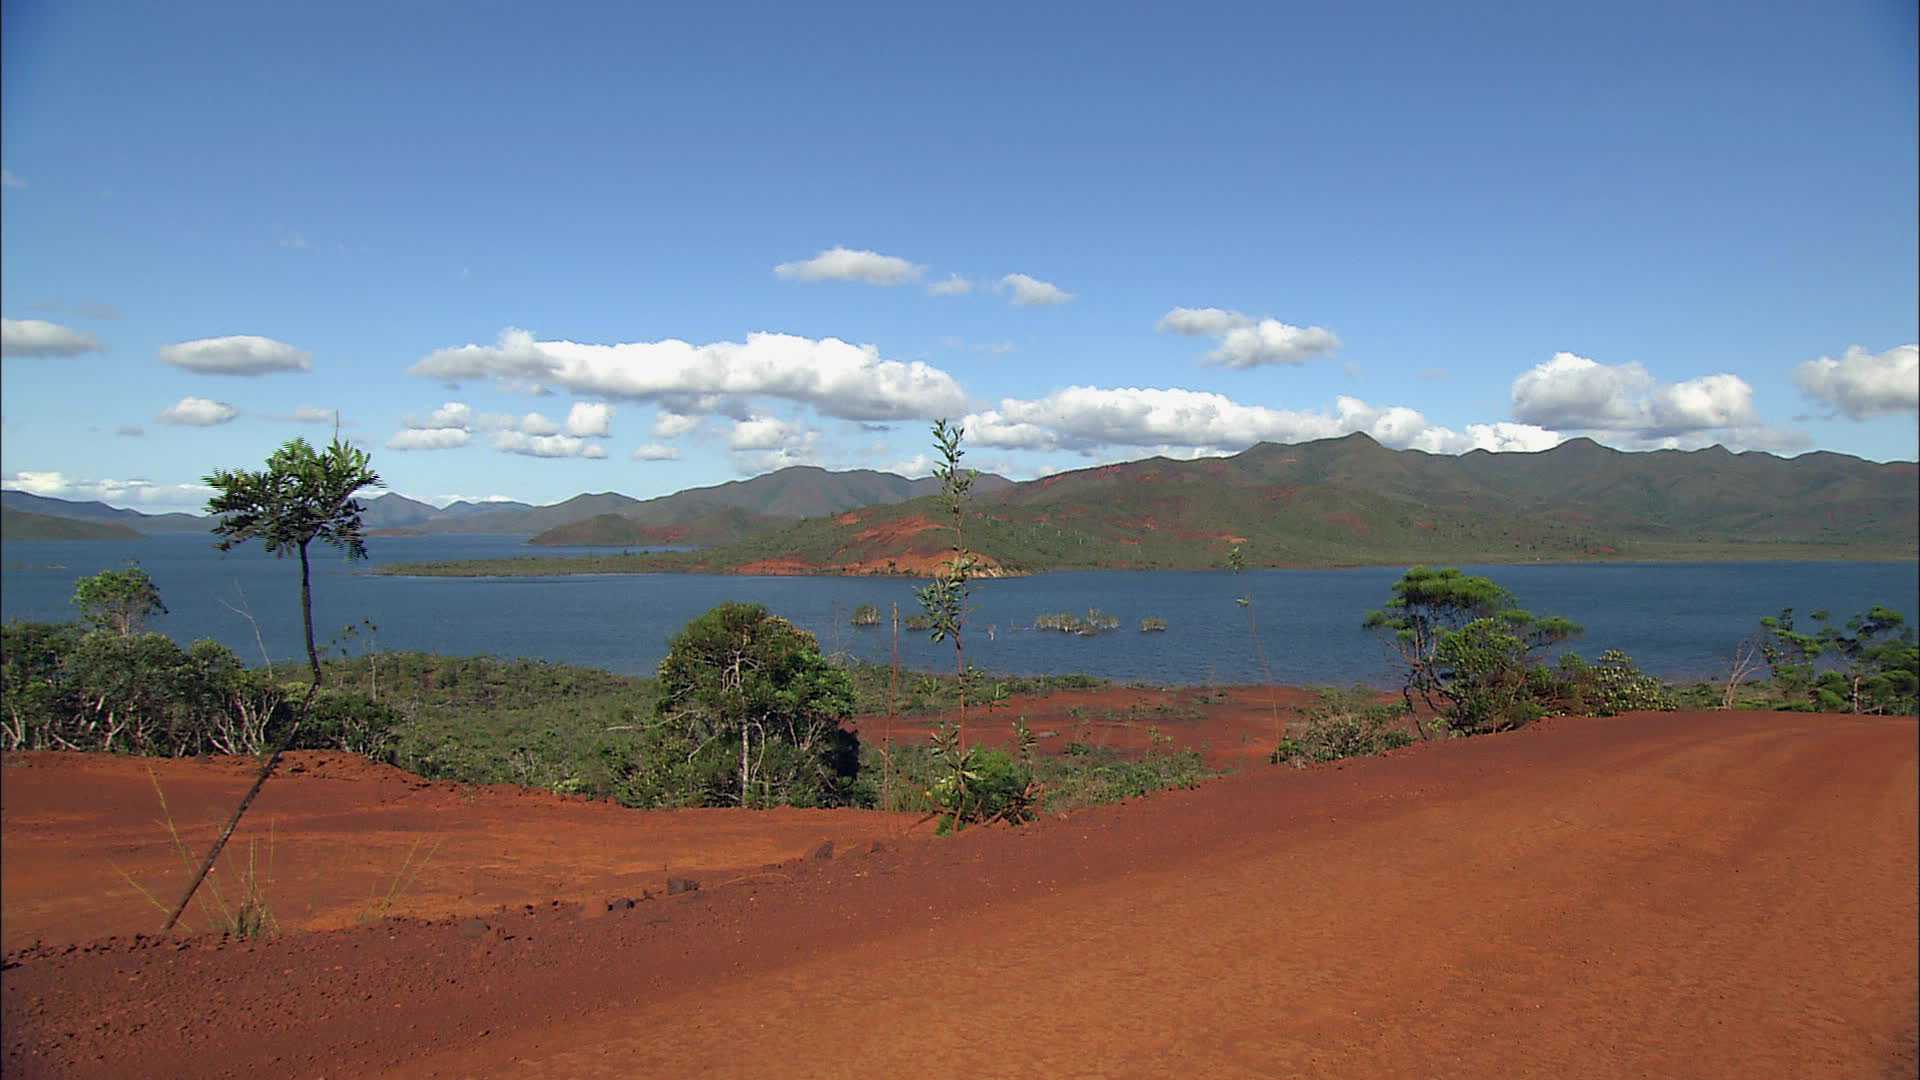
<point>1351,501</point>
<point>1338,501</point>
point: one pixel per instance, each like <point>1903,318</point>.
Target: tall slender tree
<point>301,496</point>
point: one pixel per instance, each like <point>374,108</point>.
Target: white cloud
<point>590,419</point>
<point>765,433</point>
<point>954,285</point>
<point>1202,322</point>
<point>1249,342</point>
<point>197,412</point>
<point>1862,384</point>
<point>8,179</point>
<point>1271,341</point>
<point>239,354</point>
<point>547,446</point>
<point>313,414</point>
<point>673,425</point>
<point>143,494</point>
<point>1030,291</point>
<point>37,337</point>
<point>535,424</point>
<point>655,452</point>
<point>443,438</point>
<point>1573,393</point>
<point>913,468</point>
<point>1182,422</point>
<point>836,378</point>
<point>453,414</point>
<point>847,264</point>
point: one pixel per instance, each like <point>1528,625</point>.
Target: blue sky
<point>1498,229</point>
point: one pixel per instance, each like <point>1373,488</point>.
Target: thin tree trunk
<point>273,759</point>
<point>306,613</point>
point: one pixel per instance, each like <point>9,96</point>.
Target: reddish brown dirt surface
<point>1232,727</point>
<point>1664,895</point>
<point>341,831</point>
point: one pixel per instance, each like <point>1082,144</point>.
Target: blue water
<point>1678,620</point>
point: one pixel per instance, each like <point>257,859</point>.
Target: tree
<point>944,599</point>
<point>749,713</point>
<point>118,600</point>
<point>301,496</point>
<point>1875,662</point>
<point>1462,641</point>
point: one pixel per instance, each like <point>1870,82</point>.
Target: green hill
<point>1351,501</point>
<point>27,525</point>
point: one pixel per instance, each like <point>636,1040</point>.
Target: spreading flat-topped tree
<point>118,600</point>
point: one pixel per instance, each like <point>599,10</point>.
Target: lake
<point>1677,620</point>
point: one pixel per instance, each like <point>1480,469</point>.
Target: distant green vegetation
<point>1153,624</point>
<point>866,615</point>
<point>1093,623</point>
<point>27,525</point>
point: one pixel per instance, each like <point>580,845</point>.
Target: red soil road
<point>1672,895</point>
<point>336,831</point>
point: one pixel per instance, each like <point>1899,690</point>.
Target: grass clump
<point>1093,623</point>
<point>1153,624</point>
<point>866,615</point>
<point>1344,724</point>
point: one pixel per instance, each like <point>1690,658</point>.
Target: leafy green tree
<point>749,714</point>
<point>944,599</point>
<point>1466,648</point>
<point>301,496</point>
<point>118,600</point>
<point>1873,663</point>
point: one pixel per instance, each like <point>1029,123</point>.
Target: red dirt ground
<point>1670,895</point>
<point>342,829</point>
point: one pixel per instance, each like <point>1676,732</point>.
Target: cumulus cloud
<point>197,412</point>
<point>445,428</point>
<point>313,414</point>
<point>669,425</point>
<point>847,264</point>
<point>238,354</point>
<point>954,285</point>
<point>143,494</point>
<point>655,452</point>
<point>1027,291</point>
<point>547,446</point>
<point>913,468</point>
<point>1249,342</point>
<point>765,433</point>
<point>535,424</point>
<point>1086,418</point>
<point>1202,322</point>
<point>453,414</point>
<point>1570,392</point>
<point>590,419</point>
<point>37,337</point>
<point>1861,384</point>
<point>446,438</point>
<point>838,379</point>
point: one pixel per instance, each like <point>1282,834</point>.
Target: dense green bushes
<point>67,688</point>
<point>1344,724</point>
<point>1871,665</point>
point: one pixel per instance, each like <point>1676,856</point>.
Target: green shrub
<point>1344,724</point>
<point>1153,624</point>
<point>1092,623</point>
<point>866,615</point>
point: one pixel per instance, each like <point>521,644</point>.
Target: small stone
<point>678,885</point>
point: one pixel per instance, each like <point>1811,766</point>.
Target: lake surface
<point>1677,620</point>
